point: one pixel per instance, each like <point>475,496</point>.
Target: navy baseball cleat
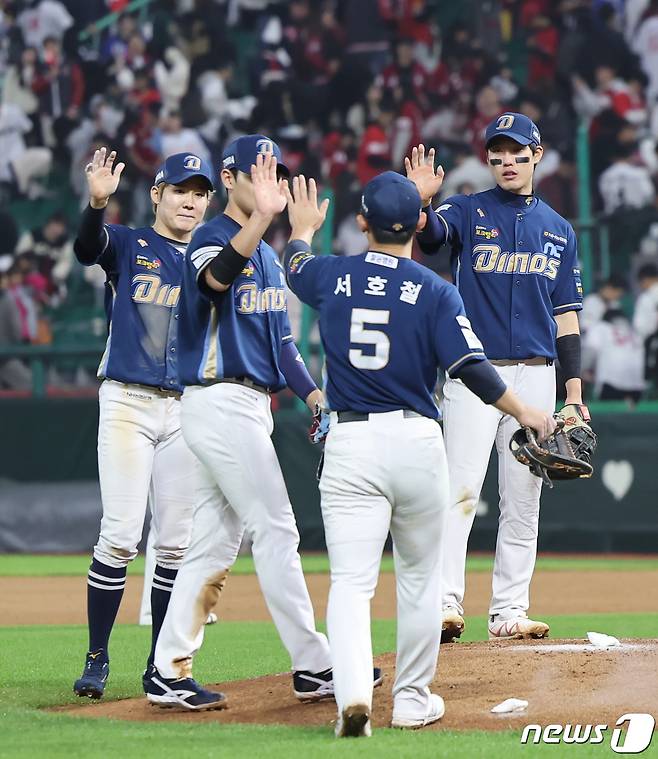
<point>183,692</point>
<point>94,676</point>
<point>315,686</point>
<point>147,675</point>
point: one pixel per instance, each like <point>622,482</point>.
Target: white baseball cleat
<point>518,627</point>
<point>212,618</point>
<point>354,722</point>
<point>452,625</point>
<point>436,708</point>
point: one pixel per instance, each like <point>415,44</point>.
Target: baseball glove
<point>564,455</point>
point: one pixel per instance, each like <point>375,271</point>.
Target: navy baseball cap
<point>516,126</point>
<point>391,202</point>
<point>181,166</point>
<point>241,153</point>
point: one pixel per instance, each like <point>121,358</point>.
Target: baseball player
<point>386,323</point>
<point>235,350</point>
<point>141,452</point>
<point>515,264</point>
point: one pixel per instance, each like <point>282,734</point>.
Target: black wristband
<point>568,354</point>
<point>481,379</point>
<point>226,266</point>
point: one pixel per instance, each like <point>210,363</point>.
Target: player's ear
<point>228,180</point>
<point>155,195</point>
<point>537,156</point>
<point>362,222</point>
<point>422,220</point>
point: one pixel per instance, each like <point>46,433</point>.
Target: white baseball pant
<point>228,427</point>
<point>142,457</point>
<point>386,473</point>
<point>471,428</point>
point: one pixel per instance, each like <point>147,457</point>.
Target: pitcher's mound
<point>565,682</point>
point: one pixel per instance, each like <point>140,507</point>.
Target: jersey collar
<point>521,202</point>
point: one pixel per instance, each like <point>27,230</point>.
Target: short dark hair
<point>647,271</point>
<point>388,237</point>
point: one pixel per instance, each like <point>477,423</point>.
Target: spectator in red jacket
<point>60,86</point>
<point>375,148</point>
<point>406,78</point>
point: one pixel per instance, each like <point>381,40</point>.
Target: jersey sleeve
<point>304,271</point>
<point>567,294</point>
<point>445,224</point>
<point>203,248</point>
<point>455,342</point>
<point>118,243</point>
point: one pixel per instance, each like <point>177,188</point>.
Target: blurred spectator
<point>375,148</point>
<point>59,84</point>
<point>645,44</point>
<point>559,189</point>
<point>42,19</point>
<point>18,84</point>
<point>645,318</point>
<point>606,298</point>
<point>52,247</point>
<point>20,165</point>
<point>14,374</point>
<point>624,185</point>
<point>174,138</point>
<point>405,78</point>
<point>487,108</point>
<point>172,77</point>
<point>614,353</point>
<point>467,169</point>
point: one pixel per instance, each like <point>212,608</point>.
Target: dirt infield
<point>565,682</point>
<point>62,600</point>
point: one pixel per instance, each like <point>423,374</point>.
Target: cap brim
<point>521,139</point>
<point>180,178</point>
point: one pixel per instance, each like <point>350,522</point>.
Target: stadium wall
<point>50,501</point>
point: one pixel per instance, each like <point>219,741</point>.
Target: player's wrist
<point>262,217</point>
<point>98,203</point>
<point>305,234</point>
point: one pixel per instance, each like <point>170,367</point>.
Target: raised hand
<point>420,170</point>
<point>305,215</point>
<point>103,177</point>
<point>269,196</point>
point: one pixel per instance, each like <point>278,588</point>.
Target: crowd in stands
<point>346,88</point>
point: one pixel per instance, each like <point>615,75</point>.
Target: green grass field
<point>39,664</point>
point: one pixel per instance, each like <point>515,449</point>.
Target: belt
<point>163,392</point>
<point>357,416</point>
<point>534,361</point>
<point>246,381</point>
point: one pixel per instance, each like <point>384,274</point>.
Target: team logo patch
<point>489,233</point>
<point>480,213</point>
<point>146,262</point>
<point>265,146</point>
<point>298,261</point>
<point>142,243</point>
<point>192,163</point>
<point>505,121</point>
<point>248,270</point>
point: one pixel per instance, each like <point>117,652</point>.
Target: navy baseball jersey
<point>515,263</point>
<point>239,332</point>
<point>144,271</point>
<point>386,324</point>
